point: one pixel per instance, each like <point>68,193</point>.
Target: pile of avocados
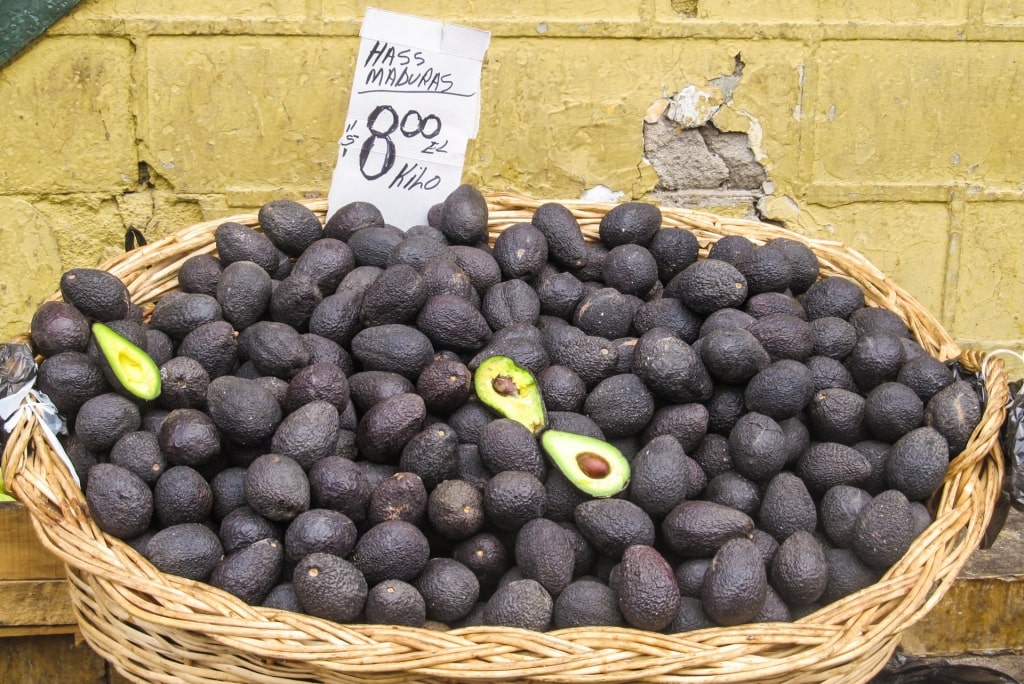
<point>421,427</point>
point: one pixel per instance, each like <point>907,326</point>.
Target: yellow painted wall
<point>890,125</point>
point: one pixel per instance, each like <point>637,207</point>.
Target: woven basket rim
<point>121,600</point>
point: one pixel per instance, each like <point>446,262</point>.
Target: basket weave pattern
<point>161,628</point>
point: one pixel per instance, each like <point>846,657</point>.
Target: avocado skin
<point>736,585</point>
<point>522,603</point>
<point>58,327</point>
<point>291,226</point>
<point>70,379</point>
<point>119,501</point>
<point>649,596</point>
<point>544,553</point>
<point>98,294</point>
<point>244,410</point>
<point>251,572</point>
<point>464,216</point>
<point>566,246</point>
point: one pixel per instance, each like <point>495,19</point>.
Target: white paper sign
<point>414,106</point>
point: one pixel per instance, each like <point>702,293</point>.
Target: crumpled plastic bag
<point>18,372</point>
<point>17,367</point>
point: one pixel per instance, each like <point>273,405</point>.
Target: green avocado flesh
<point>133,367</point>
<point>510,390</point>
<point>591,465</point>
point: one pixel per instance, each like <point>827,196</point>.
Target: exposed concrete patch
<point>697,163</point>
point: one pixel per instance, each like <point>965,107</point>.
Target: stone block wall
<point>890,126</point>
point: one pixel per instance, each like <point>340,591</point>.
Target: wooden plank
<point>8,632</point>
<point>57,659</point>
<point>35,602</point>
<point>984,609</point>
<point>22,556</point>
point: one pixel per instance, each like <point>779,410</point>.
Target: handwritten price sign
<point>415,104</point>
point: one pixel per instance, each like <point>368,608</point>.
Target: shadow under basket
<point>155,627</point>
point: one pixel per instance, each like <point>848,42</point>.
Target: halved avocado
<point>593,466</point>
<point>511,390</point>
<point>134,368</point>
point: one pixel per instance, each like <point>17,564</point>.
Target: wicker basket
<point>160,628</point>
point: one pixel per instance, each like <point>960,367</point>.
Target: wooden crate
<point>34,597</point>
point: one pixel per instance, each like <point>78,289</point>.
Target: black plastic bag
<point>904,669</point>
<point>1013,444</point>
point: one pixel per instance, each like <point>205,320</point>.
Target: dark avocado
<point>432,453</point>
<point>464,216</point>
<point>587,603</point>
<point>917,463</point>
<point>697,529</point>
<point>276,487</point>
<point>182,495</point>
<point>58,327</point>
<point>214,346</point>
<point>393,549</point>
<point>521,251</point>
<point>621,405</point>
<point>291,226</point>
<point>736,585</point>
<point>250,572</point>
<point>393,347</point>
<point>98,294</point>
<point>833,296</point>
<point>189,437</point>
<point>786,506</point>
<point>512,498</point>
<point>352,218</point>
<point>104,419</point>
<point>327,261</point>
<point>243,292</point>
<point>320,381</point>
<point>506,444</point>
<point>394,602</point>
<point>337,317</point>
<point>200,273</point>
<point>605,312</point>
<point>630,269</point>
<point>452,322</point>
<point>673,249</point>
<point>395,296</point>
<point>449,589</point>
<point>629,223</point>
<point>70,379</point>
<point>708,285</point>
<point>308,433</point>
<point>566,246</point>
<point>521,603</point>
<point>401,496</point>
<point>509,302</point>
<point>119,501</point>
<point>189,550</point>
<point>179,313</point>
<point>660,478</point>
<point>236,242</point>
<point>799,571</point>
<point>385,428</point>
<point>294,299</point>
<point>244,410</point>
